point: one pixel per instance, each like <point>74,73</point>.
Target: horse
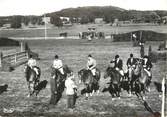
<point>142,76</point>
<point>32,78</point>
<point>58,83</point>
<point>90,82</point>
<point>115,81</point>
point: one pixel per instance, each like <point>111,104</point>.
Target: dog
<point>42,85</point>
<point>3,88</point>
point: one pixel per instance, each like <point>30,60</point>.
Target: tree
<point>16,22</point>
<point>1,23</point>
<point>84,20</point>
<point>56,21</point>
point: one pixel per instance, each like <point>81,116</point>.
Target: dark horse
<point>115,81</point>
<point>58,83</point>
<point>32,78</point>
<point>90,82</point>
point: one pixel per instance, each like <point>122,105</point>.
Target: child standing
<point>70,91</point>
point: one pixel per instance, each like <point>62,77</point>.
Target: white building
<point>46,19</point>
<point>99,20</point>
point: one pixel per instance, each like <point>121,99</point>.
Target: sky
<point>39,7</point>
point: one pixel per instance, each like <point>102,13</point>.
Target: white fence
<point>13,59</point>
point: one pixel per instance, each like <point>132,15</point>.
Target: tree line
<point>86,15</point>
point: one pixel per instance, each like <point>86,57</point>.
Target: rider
<point>147,65</point>
<point>57,64</point>
<point>32,63</point>
<point>118,64</point>
<point>91,64</point>
<point>131,64</point>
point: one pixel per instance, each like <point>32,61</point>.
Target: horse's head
<point>138,67</point>
<point>108,72</point>
<point>25,68</point>
<point>67,69</point>
<point>85,76</point>
<point>80,75</point>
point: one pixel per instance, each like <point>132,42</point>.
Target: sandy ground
<point>74,54</point>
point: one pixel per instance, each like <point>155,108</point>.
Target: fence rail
<point>13,59</point>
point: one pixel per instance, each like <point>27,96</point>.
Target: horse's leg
<point>29,90</point>
<point>53,88</point>
<point>87,91</point>
<point>97,87</point>
<point>118,90</point>
<point>91,89</point>
<point>148,85</point>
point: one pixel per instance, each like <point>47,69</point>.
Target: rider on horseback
<point>91,65</point>
<point>33,64</point>
<point>131,64</point>
<point>57,64</point>
<point>147,65</point>
<point>118,64</point>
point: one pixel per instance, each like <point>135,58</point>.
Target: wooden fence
<point>10,61</point>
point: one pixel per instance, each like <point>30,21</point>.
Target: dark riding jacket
<point>117,64</point>
<point>129,62</point>
<point>148,64</point>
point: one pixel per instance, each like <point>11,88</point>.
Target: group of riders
<point>91,64</point>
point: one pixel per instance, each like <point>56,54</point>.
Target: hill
<point>109,13</point>
<point>88,15</point>
<point>84,11</point>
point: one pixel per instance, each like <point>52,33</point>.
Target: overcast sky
<point>39,7</point>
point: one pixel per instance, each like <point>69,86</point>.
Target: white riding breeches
<point>148,72</point>
<point>130,72</point>
<point>121,72</point>
<point>61,70</point>
<point>36,70</point>
<point>93,72</point>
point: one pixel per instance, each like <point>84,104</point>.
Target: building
<point>6,26</point>
<point>99,20</point>
<point>65,20</point>
<point>46,19</point>
<point>164,19</point>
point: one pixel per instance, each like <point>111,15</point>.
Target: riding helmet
<point>131,55</point>
<point>117,56</point>
<point>89,55</point>
<point>56,56</point>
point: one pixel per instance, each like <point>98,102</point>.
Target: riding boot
<point>94,78</point>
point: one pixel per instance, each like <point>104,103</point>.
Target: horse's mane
<point>67,69</point>
<point>114,74</point>
<point>29,72</point>
<point>86,74</point>
<point>111,70</point>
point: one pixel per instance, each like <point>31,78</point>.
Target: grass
<point>74,54</point>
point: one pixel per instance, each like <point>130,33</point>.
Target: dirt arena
<point>74,54</point>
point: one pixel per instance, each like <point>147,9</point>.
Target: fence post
<point>21,46</point>
<point>27,54</point>
<point>15,58</point>
<point>163,98</point>
<point>142,51</point>
<point>1,57</point>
